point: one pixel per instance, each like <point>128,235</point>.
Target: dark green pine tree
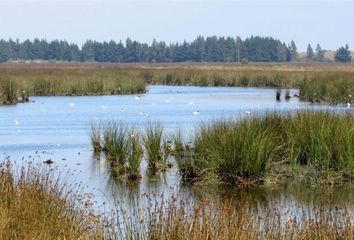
<point>309,55</point>
<point>293,55</point>
<point>320,57</point>
<point>343,54</point>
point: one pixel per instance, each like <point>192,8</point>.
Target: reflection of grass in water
<point>153,217</point>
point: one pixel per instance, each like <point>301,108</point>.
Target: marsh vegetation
<point>317,83</point>
<point>36,205</point>
<point>306,145</point>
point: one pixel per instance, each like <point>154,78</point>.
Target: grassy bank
<point>19,82</point>
<point>314,146</point>
<point>34,205</point>
<point>327,82</point>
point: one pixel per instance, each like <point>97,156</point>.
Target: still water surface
<point>58,128</point>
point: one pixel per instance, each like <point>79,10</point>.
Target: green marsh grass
<point>135,154</point>
<point>247,150</point>
<point>95,137</point>
<point>155,147</point>
<point>123,150</point>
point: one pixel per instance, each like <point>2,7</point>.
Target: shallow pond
<point>58,128</point>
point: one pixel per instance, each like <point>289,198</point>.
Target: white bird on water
<point>103,106</point>
<point>298,106</point>
<point>71,104</point>
<point>16,122</point>
<point>137,97</point>
<point>196,112</point>
<point>348,105</point>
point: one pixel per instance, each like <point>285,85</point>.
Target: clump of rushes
<point>123,150</point>
<point>244,151</point>
<point>287,95</point>
<point>96,138</point>
<point>135,153</point>
<point>153,143</point>
<point>36,205</point>
<point>323,140</point>
<point>278,94</point>
<point>235,151</point>
<point>116,145</point>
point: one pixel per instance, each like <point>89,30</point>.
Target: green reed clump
<point>321,139</point>
<point>154,147</point>
<point>244,151</point>
<point>135,154</point>
<point>123,150</point>
<point>236,150</point>
<point>95,137</point>
<point>116,143</point>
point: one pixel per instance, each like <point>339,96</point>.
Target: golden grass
<point>34,205</point>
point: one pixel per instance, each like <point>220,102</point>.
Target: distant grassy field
<point>317,82</point>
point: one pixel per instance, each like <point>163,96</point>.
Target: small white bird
<point>58,145</point>
<point>137,97</point>
<point>348,105</point>
<point>297,106</point>
<point>143,114</point>
<point>103,106</point>
<point>196,112</point>
<point>16,122</point>
<point>71,104</point>
<point>248,112</point>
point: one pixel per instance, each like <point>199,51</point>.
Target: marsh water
<point>58,128</point>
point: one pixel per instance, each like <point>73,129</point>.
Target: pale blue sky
<point>329,23</point>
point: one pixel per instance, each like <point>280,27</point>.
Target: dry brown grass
<point>34,205</point>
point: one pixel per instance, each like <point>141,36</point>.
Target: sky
<point>329,23</point>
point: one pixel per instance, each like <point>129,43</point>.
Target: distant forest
<point>210,49</point>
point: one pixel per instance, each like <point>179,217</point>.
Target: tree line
<point>209,49</point>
